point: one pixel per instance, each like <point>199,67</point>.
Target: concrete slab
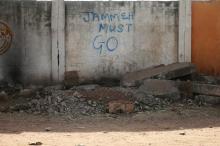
<point>171,71</point>
<point>206,89</point>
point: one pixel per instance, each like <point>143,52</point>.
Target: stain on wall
<point>29,57</point>
<point>206,37</point>
<point>108,39</point>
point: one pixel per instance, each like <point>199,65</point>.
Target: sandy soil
<point>198,126</point>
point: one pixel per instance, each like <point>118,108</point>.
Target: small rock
<point>182,133</point>
<point>94,104</point>
<point>36,143</point>
<point>89,102</point>
<point>48,129</point>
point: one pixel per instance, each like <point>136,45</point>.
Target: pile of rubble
<point>149,89</point>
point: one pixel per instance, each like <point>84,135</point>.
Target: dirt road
<point>181,127</point>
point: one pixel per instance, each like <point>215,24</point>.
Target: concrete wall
<point>107,39</point>
<point>102,39</point>
<point>29,58</point>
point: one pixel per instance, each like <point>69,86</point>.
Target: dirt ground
<point>186,126</point>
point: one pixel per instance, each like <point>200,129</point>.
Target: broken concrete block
<point>171,71</point>
<point>120,106</point>
<point>207,99</point>
<point>161,88</point>
<point>206,89</point>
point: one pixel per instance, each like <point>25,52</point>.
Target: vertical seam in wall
<point>184,44</point>
<point>58,57</point>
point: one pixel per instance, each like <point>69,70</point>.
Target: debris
<point>65,102</point>
<point>171,71</point>
<point>149,102</point>
<point>153,91</point>
<point>36,143</point>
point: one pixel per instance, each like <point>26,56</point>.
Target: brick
<point>71,78</point>
<point>120,106</point>
<point>171,71</point>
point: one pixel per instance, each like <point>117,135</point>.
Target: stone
<point>120,106</point>
<point>160,88</point>
<point>171,71</point>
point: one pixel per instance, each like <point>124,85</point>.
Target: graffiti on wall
<point>109,23</point>
<point>5,37</point>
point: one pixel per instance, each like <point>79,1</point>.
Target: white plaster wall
<point>152,38</point>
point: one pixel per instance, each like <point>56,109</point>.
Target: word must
<point>114,28</point>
